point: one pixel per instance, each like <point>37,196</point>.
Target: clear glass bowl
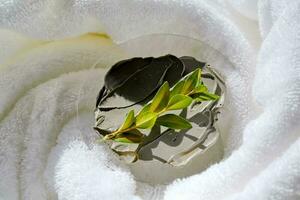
<point>156,45</point>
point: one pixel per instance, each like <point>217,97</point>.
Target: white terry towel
<point>47,146</point>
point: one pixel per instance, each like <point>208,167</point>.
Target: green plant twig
<point>184,92</point>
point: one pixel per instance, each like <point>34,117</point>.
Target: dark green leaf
<point>191,63</point>
<point>129,121</point>
<point>133,136</point>
<point>144,75</point>
<point>122,70</point>
<point>161,98</point>
<point>179,101</point>
<point>174,122</point>
<point>146,120</point>
<point>175,71</point>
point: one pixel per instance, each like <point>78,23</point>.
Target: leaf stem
<point>115,133</point>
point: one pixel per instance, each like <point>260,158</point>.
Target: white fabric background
<point>46,141</point>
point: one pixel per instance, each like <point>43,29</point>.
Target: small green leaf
<point>133,136</point>
<point>205,96</point>
<point>174,122</point>
<point>200,88</point>
<point>191,81</point>
<point>199,77</point>
<point>145,109</point>
<point>179,101</point>
<point>129,121</point>
<point>146,120</point>
<point>177,88</point>
<point>161,98</point>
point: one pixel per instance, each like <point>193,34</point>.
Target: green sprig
<point>187,90</point>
